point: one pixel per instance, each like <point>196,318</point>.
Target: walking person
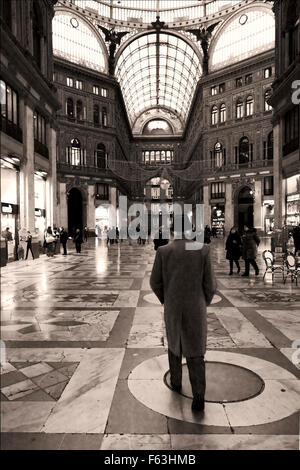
<point>233,249</point>
<point>29,245</point>
<point>78,240</point>
<point>85,233</point>
<point>49,242</point>
<point>8,237</point>
<point>250,242</point>
<point>64,240</point>
<point>184,282</point>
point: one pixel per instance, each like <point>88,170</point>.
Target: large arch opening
<point>75,210</point>
<point>245,206</point>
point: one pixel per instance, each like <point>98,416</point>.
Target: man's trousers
<point>196,368</point>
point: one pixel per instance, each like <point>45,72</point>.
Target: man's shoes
<point>257,272</point>
<point>198,404</point>
<point>230,274</point>
<point>245,275</point>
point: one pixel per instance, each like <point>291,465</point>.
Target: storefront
<point>218,219</point>
<point>40,203</point>
<point>293,210</point>
<point>102,218</point>
<point>268,213</point>
<point>293,201</point>
<point>10,204</point>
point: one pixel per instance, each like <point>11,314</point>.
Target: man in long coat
<point>184,282</point>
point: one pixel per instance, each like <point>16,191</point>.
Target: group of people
<point>245,246</point>
<point>54,236</point>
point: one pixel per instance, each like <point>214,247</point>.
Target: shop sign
<point>293,197</point>
<point>9,208</point>
<point>39,212</point>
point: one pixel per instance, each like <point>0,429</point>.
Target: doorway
<point>245,208</point>
<point>75,210</point>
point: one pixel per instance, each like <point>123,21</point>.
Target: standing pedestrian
<point>233,249</point>
<point>207,234</point>
<point>49,242</point>
<point>159,240</point>
<point>85,233</point>
<point>29,245</point>
<point>64,240</point>
<point>250,242</point>
<point>7,235</point>
<point>296,237</point>
<point>184,282</point>
<point>78,240</point>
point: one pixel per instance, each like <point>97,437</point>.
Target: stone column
<point>277,165</point>
<point>27,174</point>
<point>113,202</point>
<point>258,206</point>
<point>51,202</point>
<point>63,208</point>
<point>91,218</point>
<point>229,214</point>
<point>207,208</point>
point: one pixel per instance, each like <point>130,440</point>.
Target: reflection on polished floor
<point>86,357</point>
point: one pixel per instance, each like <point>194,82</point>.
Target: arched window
<point>249,106</point>
<point>244,151</point>
<point>70,108</point>
<point>36,34</point>
<point>104,117</point>
<point>239,109</point>
<point>214,115</point>
<point>267,95</point>
<point>100,156</point>
<point>79,110</point>
<point>75,154</point>
<point>223,113</point>
<point>96,114</point>
<point>270,146</point>
<point>218,156</point>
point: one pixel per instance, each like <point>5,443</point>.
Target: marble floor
<point>85,357</point>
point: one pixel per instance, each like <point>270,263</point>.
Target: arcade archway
<point>75,210</point>
<point>245,205</point>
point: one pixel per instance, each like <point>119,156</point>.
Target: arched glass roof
<point>157,127</point>
<point>246,34</point>
<point>75,41</point>
<point>158,74</point>
<point>145,11</point>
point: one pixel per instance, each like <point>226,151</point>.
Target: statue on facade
<point>203,35</point>
<point>114,39</point>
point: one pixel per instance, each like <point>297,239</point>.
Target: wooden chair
<point>292,269</point>
<point>271,266</point>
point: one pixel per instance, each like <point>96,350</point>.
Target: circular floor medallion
<point>226,383</point>
<point>253,406</point>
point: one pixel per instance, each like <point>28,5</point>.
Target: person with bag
<point>29,245</point>
<point>233,249</point>
<point>78,240</point>
<point>49,242</point>
<point>250,242</point>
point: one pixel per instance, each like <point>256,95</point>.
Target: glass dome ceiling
<point>145,11</point>
<point>158,74</point>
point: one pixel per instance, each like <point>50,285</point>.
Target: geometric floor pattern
<point>77,329</point>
